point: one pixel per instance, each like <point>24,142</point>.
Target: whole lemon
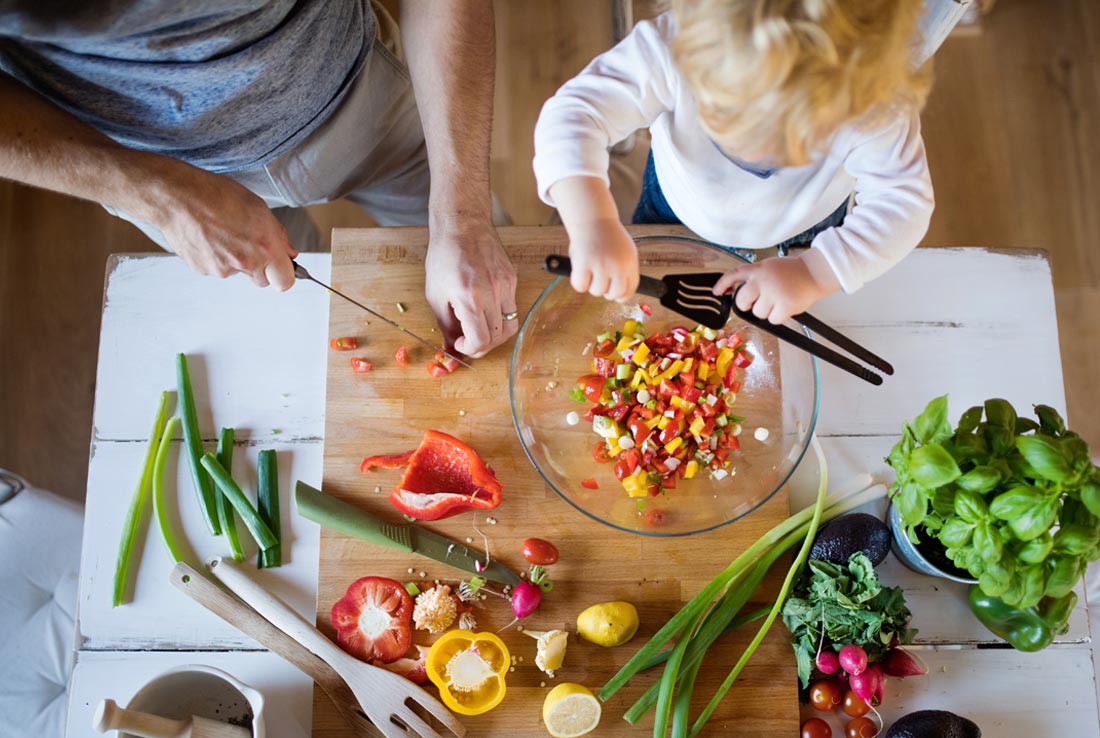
<point>608,623</point>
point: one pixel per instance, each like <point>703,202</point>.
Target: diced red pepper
<point>653,490</point>
<point>619,412</point>
<point>733,443</point>
<point>691,394</point>
<point>622,469</point>
<point>646,309</point>
<point>391,461</point>
<point>344,343</point>
<point>669,482</point>
<point>590,483</point>
<point>742,359</point>
<point>361,365</point>
<point>401,356</point>
<point>667,389</point>
<point>707,350</point>
<point>735,387</point>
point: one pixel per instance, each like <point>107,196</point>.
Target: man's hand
<point>218,227</point>
<point>471,285</point>
<point>777,288</point>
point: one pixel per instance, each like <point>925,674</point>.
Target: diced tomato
<point>619,412</point>
<point>655,518</point>
<point>646,413</point>
<point>344,343</point>
<point>734,340</point>
<point>733,443</point>
<point>622,470</point>
<point>604,349</point>
<point>401,356</point>
<point>653,490</point>
<point>646,309</point>
<point>669,482</point>
<point>360,365</point>
<point>721,453</point>
<point>436,369</point>
<point>660,466</point>
<point>632,457</point>
<point>707,411</point>
<point>707,350</point>
<point>735,387</point>
<point>605,367</point>
<point>592,386</point>
<point>731,377</point>
<point>670,431</point>
<point>691,394</point>
<point>590,483</point>
<point>600,452</point>
<point>742,359</point>
<point>667,389</point>
<point>638,429</point>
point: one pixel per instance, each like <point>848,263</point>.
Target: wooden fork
<point>384,697</point>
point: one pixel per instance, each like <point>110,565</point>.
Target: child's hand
<point>605,260</point>
<point>777,288</point>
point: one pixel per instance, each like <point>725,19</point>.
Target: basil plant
<point>1014,501</point>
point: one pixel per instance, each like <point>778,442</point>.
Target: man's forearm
<point>451,51</point>
<point>44,146</point>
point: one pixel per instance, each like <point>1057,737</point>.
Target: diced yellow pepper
<point>639,377</point>
<point>688,362</point>
<point>613,447</point>
<point>635,485</point>
<point>676,401</point>
<point>655,421</point>
<point>725,356</point>
<point>703,371</point>
<point>697,426</point>
<point>640,354</point>
<point>674,444</point>
<point>691,468</point>
<point>630,327</point>
<point>623,344</point>
<point>663,422</point>
<point>674,368</point>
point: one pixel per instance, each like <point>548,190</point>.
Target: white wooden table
<point>951,320</point>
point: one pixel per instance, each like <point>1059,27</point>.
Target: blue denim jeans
<point>653,209</point>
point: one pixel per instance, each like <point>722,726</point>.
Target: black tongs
<point>691,296</point>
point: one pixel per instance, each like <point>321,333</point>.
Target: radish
<point>853,659</point>
<point>900,663</point>
<point>828,662</point>
<point>869,685</point>
<point>525,599</point>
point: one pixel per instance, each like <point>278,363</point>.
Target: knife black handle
<point>563,267</point>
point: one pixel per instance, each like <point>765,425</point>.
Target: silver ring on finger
<point>514,315</point>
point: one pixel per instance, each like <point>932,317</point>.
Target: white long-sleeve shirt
<point>636,85</point>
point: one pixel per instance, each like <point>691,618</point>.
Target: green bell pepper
<point>1024,628</point>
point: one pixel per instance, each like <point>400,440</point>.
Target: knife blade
<point>300,272</point>
<point>341,517</point>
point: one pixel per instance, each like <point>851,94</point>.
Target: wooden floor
<point>1012,129</point>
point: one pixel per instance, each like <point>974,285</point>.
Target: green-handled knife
<point>407,538</point>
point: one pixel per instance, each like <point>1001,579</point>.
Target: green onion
<point>193,441</point>
<point>412,589</point>
<point>267,499</point>
<point>137,506</point>
<point>259,530</point>
<point>577,394</point>
<point>226,518</point>
<point>158,491</point>
<point>624,371</point>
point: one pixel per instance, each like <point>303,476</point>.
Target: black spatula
<point>687,294</point>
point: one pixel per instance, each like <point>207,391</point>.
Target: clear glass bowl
<point>779,393</point>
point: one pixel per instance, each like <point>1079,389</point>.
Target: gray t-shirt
<point>222,84</point>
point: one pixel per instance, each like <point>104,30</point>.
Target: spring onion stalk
<point>736,623</point>
<point>192,440</point>
<point>138,504</point>
<point>683,700</point>
<point>267,499</point>
<point>226,517</point>
<point>259,530</point>
<point>158,491</point>
<point>795,569</point>
<point>836,505</point>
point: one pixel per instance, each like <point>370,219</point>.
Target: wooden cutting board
<point>387,411</point>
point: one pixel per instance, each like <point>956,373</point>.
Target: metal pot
<point>911,556</point>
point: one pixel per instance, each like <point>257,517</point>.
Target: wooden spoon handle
<point>109,716</point>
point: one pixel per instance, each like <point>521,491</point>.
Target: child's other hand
<point>777,288</point>
<point>605,261</point>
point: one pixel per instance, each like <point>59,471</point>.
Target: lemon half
<point>570,710</point>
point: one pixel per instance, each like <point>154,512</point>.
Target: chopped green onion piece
<point>138,505</point>
<point>736,419</point>
<point>193,442</point>
<point>412,589</point>
<point>721,421</point>
<point>226,517</point>
<point>651,404</point>
<point>602,337</point>
<point>577,394</point>
<point>624,371</point>
<point>611,383</point>
<point>259,530</point>
<point>476,583</point>
<point>639,504</point>
<point>158,491</point>
<point>267,498</point>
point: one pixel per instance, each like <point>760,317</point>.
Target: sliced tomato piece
<point>344,343</point>
<point>436,369</point>
<point>605,367</point>
<point>361,365</point>
<point>600,452</point>
<point>592,386</point>
<point>646,309</point>
<point>742,359</point>
<point>590,483</point>
<point>618,413</point>
<point>372,620</point>
<point>401,356</point>
<point>449,363</point>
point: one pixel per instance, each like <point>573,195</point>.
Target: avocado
<point>933,724</point>
<point>841,537</point>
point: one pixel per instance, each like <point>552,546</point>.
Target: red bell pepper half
<point>444,477</point>
<point>372,619</point>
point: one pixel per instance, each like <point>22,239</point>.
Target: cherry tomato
<point>825,694</point>
<point>449,363</point>
<point>590,483</point>
<point>656,517</point>
<point>592,386</point>
<point>853,706</point>
<point>436,369</point>
<point>401,356</point>
<point>600,452</point>
<point>816,728</point>
<point>540,552</point>
<point>362,366</point>
<point>344,343</point>
<point>861,727</point>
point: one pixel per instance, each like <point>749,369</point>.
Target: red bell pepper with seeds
<point>444,477</point>
<point>372,619</point>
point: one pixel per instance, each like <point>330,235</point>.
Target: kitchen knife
<point>407,538</point>
<point>301,273</point>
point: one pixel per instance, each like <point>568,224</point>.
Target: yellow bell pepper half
<point>469,669</point>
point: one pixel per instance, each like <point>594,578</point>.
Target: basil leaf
<point>1036,550</point>
<point>1076,452</point>
<point>1015,502</point>
<point>980,479</point>
<point>1045,457</point>
<point>970,419</point>
<point>943,502</point>
<point>1036,520</point>
<point>1034,585</point>
<point>1001,440</point>
<point>997,577</point>
<point>1025,425</point>
<point>911,503</point>
<point>899,456</point>
<point>1000,413</point>
<point>931,466</point>
<point>931,426</point>
<point>970,446</point>
<point>1090,497</point>
<point>1051,421</point>
<point>987,541</point>
<point>970,507</point>
<point>1075,539</point>
<point>1067,571</point>
<point>956,533</point>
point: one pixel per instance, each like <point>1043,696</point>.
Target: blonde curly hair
<point>777,78</point>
